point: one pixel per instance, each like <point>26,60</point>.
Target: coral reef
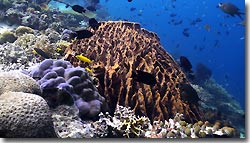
<point>117,49</point>
<point>24,115</point>
<point>7,36</point>
<point>14,57</point>
<point>20,30</point>
<point>59,76</point>
<point>67,124</point>
<point>125,124</point>
<point>218,104</point>
<point>18,82</point>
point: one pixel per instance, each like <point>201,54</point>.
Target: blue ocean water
<point>216,39</point>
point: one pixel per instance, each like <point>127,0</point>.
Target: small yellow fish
<point>89,70</point>
<point>58,49</point>
<point>83,58</point>
<point>34,52</point>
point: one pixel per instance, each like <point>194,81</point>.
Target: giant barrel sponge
<point>119,48</point>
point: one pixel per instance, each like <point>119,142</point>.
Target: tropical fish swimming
<point>41,53</point>
<point>185,64</point>
<point>88,69</point>
<point>81,34</point>
<point>144,77</point>
<point>78,8</point>
<point>230,9</point>
<point>93,23</point>
<point>83,58</point>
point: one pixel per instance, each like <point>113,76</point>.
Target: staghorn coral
<point>24,115</point>
<point>118,48</point>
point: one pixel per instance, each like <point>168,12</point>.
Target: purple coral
<point>57,78</point>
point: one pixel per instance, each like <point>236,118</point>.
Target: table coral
<point>117,49</point>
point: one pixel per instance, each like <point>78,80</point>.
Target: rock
<point>24,115</point>
<point>18,82</point>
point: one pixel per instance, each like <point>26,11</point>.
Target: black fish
<point>78,8</point>
<point>81,34</point>
<point>185,32</point>
<point>188,93</point>
<point>91,8</point>
<point>42,53</point>
<point>93,23</point>
<point>129,0</point>
<point>132,9</point>
<point>144,77</point>
<point>185,64</point>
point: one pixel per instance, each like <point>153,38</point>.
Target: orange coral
<point>117,48</point>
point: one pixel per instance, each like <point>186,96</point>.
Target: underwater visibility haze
<point>126,69</point>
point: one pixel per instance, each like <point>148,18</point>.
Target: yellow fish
<point>58,49</point>
<point>89,70</point>
<point>83,58</point>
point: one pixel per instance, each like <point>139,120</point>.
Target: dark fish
<point>172,14</point>
<point>189,94</point>
<point>230,9</point>
<point>78,8</point>
<point>185,33</point>
<point>91,8</point>
<point>81,34</point>
<point>42,53</point>
<point>129,0</point>
<point>198,20</point>
<point>93,23</point>
<point>132,9</point>
<point>144,77</point>
<point>185,64</point>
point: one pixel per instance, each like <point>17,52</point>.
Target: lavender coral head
<point>60,82</point>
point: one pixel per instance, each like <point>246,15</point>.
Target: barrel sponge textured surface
<point>18,82</point>
<point>24,115</point>
<point>118,48</point>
